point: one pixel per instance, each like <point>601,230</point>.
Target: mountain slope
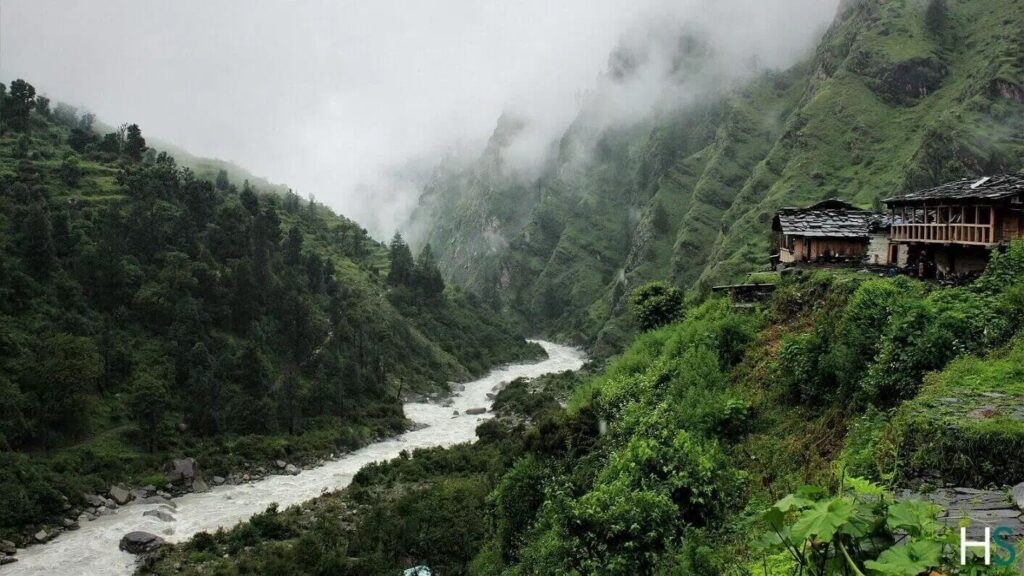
<point>893,99</point>
<point>147,313</point>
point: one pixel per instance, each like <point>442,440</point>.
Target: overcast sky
<point>324,95</point>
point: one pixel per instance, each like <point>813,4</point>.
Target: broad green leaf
<point>914,516</point>
<point>859,485</point>
<point>792,502</point>
<point>823,519</point>
<point>909,560</point>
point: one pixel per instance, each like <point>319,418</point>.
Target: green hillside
<point>804,436</point>
<point>149,313</point>
<point>898,95</point>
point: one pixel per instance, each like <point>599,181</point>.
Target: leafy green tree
<point>402,264</point>
<point>110,143</point>
<point>134,143</point>
<point>66,370</point>
<point>656,304</point>
<point>18,108</point>
<point>37,245</point>
<point>149,403</point>
<point>43,105</point>
<point>70,170</point>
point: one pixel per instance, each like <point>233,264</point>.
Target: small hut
<point>831,231</point>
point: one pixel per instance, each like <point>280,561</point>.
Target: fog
<point>354,101</point>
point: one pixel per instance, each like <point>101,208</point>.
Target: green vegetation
<point>694,451</point>
<point>898,95</point>
<point>655,304</point>
<point>146,312</point>
<point>863,530</point>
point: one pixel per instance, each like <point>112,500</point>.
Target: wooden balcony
<point>971,225</point>
<point>975,234</point>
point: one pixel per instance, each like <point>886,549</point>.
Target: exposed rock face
<point>182,469</point>
<point>912,79</point>
<point>119,495</point>
<point>140,542</point>
<point>476,411</point>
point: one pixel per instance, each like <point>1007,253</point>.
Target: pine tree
<point>428,279</point>
<point>222,183</point>
<point>402,264</point>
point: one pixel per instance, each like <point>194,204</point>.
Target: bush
<point>655,304</point>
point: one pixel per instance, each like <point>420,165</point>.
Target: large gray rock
<point>475,411</point>
<point>199,485</point>
<point>94,500</point>
<point>280,463</point>
<point>7,560</point>
<point>41,536</point>
<point>1018,495</point>
<point>8,547</point>
<point>291,469</point>
<point>140,542</point>
<point>160,515</point>
<point>182,469</point>
<point>119,495</point>
<point>218,480</point>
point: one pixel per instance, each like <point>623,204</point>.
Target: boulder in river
<point>94,500</point>
<point>41,536</point>
<point>140,542</point>
<point>218,480</point>
<point>159,515</point>
<point>119,495</point>
<point>475,411</point>
<point>182,469</point>
<point>291,469</point>
<point>199,485</point>
<point>8,547</point>
<point>4,559</point>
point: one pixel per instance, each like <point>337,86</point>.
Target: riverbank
<point>93,548</point>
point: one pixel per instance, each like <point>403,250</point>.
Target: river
<point>93,548</point>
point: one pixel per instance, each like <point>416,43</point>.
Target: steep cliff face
<point>897,95</point>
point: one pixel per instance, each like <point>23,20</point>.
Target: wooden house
<point>830,231</point>
<point>950,230</point>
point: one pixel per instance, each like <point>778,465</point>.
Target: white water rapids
<point>93,548</point>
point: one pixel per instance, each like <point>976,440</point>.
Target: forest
<point>147,313</point>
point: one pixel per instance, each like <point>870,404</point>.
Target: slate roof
<point>999,187</point>
<point>827,219</point>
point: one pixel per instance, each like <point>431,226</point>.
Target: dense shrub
<point>656,304</point>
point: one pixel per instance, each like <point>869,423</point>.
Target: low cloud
<point>353,101</point>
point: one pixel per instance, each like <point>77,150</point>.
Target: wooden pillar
<point>991,224</point>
